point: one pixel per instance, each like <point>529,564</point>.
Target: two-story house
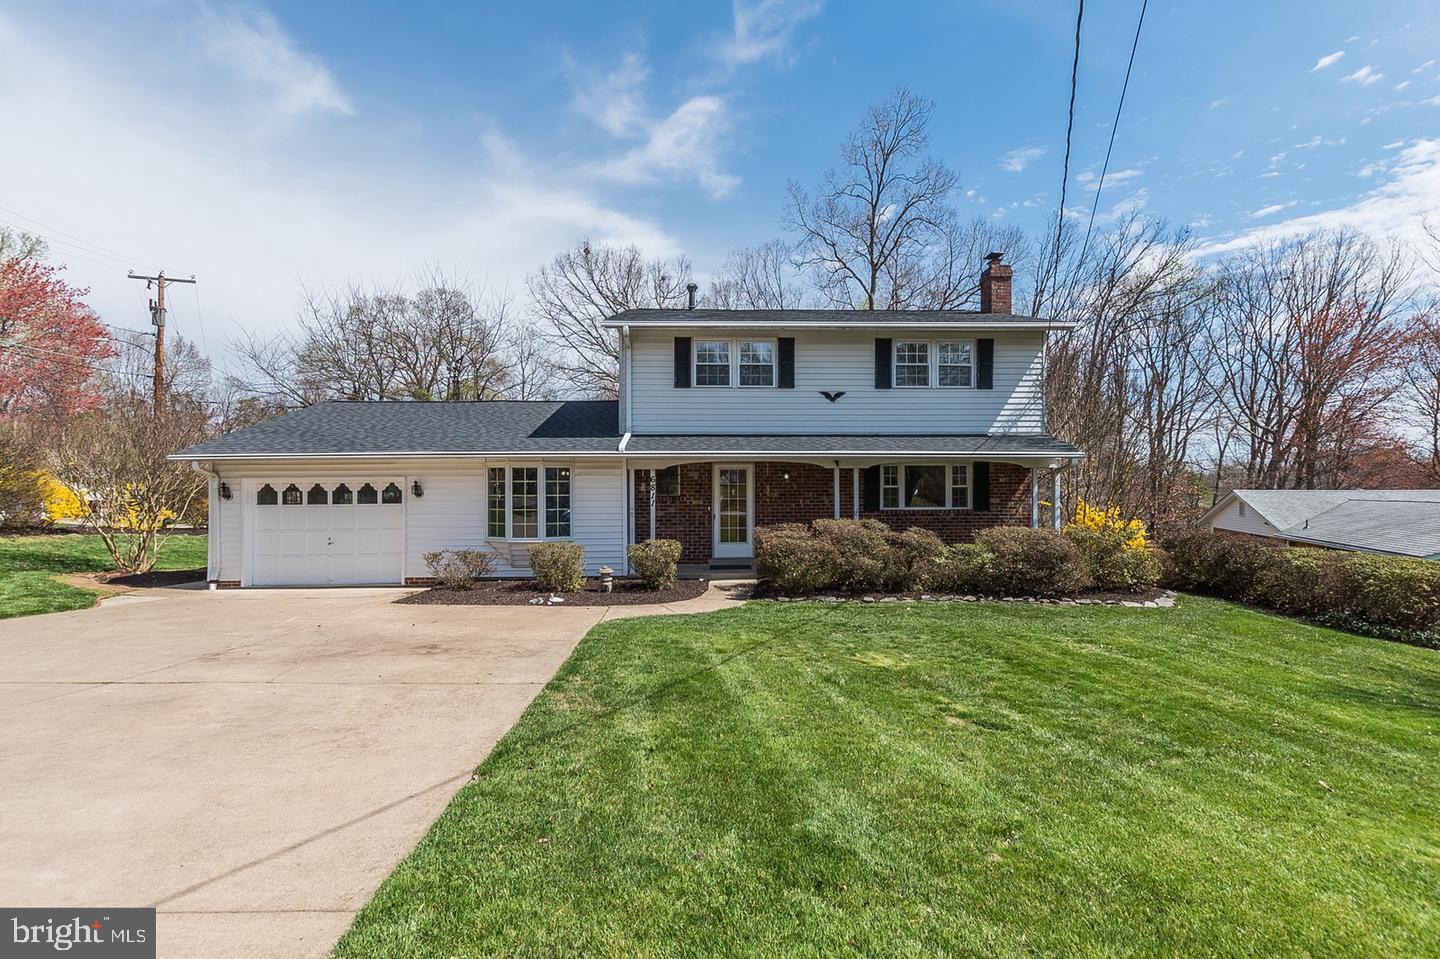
<point>726,420</point>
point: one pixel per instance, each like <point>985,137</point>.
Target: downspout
<point>625,350</point>
<point>213,533</point>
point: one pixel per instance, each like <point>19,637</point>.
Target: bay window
<point>527,502</point>
<point>924,486</point>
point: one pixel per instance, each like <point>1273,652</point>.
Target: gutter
<point>600,454</point>
<point>624,441</point>
<point>833,325</point>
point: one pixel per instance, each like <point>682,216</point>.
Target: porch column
<point>855,491</point>
<point>1055,500</point>
<point>1034,498</point>
<point>653,533</point>
<point>837,490</point>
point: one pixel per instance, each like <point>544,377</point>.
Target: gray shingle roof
<point>545,427</point>
<point>572,426</point>
<point>1018,444</point>
<point>855,318</point>
<point>1403,526</point>
<point>1288,508</point>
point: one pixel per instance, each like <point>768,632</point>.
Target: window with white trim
<point>712,363</point>
<point>912,363</point>
<point>924,486</point>
<point>954,364</point>
<point>757,363</point>
<point>527,502</point>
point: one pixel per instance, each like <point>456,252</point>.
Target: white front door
<point>734,511</point>
<point>326,533</point>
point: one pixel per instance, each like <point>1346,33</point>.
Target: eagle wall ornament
<point>832,397</point>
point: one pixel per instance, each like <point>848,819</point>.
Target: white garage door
<point>327,533</point>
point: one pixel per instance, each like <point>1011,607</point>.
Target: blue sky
<point>266,147</point>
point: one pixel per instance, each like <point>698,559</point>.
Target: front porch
<point>712,507</point>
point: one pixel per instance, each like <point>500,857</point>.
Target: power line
<point>95,247</point>
<point>73,360</point>
<point>1069,130</point>
<point>1113,127</point>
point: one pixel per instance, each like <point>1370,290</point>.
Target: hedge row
<point>868,556</point>
<point>1384,596</point>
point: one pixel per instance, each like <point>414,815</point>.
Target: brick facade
<point>809,494</point>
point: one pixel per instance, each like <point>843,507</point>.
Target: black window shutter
<point>985,364</point>
<point>870,496</point>
<point>980,487</point>
<point>787,362</point>
<point>682,362</point>
<point>882,363</point>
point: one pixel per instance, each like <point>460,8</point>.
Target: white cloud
<point>1365,76</point>
<point>1223,101</point>
<point>1018,159</point>
<point>1432,101</point>
<point>257,218</point>
<point>764,28</point>
<point>1270,210</point>
<point>1395,209</point>
<point>255,46</point>
<point>1319,141</point>
<point>1402,84</point>
<point>686,143</point>
<point>1327,60</point>
<point>1424,66</point>
<point>614,101</point>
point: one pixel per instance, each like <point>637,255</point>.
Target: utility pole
<point>157,319</point>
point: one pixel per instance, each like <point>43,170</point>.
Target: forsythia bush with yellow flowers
<point>1116,550</point>
<point>61,503</point>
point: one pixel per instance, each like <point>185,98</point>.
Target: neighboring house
<point>726,420</point>
<point>1398,522</point>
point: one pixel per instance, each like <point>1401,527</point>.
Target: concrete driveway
<point>252,763</point>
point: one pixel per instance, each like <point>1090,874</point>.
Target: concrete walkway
<point>254,763</point>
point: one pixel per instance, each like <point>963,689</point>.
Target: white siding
<point>450,514</point>
<point>836,360</point>
<point>1229,518</point>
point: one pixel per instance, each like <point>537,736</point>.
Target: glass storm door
<point>734,511</point>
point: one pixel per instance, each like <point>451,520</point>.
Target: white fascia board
<point>616,454</point>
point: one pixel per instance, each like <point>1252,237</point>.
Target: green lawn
<point>28,565</point>
<point>922,780</point>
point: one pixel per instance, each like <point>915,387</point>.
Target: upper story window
<point>757,363</point>
<point>912,363</point>
<point>735,363</point>
<point>712,363</point>
<point>935,363</point>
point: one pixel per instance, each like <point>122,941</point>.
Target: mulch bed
<point>628,592</point>
<point>156,577</point>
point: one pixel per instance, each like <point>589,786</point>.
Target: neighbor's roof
<point>413,428</point>
<point>834,319</point>
<point>558,428</point>
<point>1404,527</point>
<point>1404,522</point>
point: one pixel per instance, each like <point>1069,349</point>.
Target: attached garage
<point>325,532</point>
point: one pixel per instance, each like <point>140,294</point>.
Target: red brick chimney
<point>995,285</point>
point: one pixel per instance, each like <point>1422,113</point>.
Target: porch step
<point>739,563</point>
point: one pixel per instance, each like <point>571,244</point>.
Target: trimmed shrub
<point>459,568</point>
<point>1207,562</point>
<point>1033,562</point>
<point>1294,580</point>
<point>863,558</point>
<point>558,567</point>
<point>964,568</point>
<point>656,562</point>
<point>1114,558</point>
<point>792,560</point>
<point>914,552</point>
<point>1389,591</point>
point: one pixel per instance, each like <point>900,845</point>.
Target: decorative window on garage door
<point>342,496</point>
<point>316,496</point>
<point>391,494</point>
<point>267,496</point>
<point>368,495</point>
<point>292,496</point>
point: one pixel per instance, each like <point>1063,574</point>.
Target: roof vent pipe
<point>690,289</point>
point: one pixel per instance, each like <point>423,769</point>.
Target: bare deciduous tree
<point>115,459</point>
<point>764,277</point>
<point>581,288</point>
<point>878,213</point>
